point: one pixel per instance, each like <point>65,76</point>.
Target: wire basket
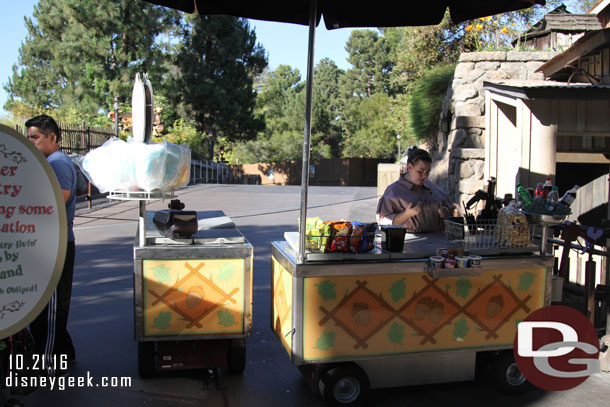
<point>491,234</point>
<point>334,243</point>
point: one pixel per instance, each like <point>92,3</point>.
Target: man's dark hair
<point>46,125</point>
<point>417,154</point>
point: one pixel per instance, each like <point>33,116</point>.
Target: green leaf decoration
<point>463,287</point>
<point>396,333</point>
<point>526,280</point>
<point>398,289</point>
<point>3,345</point>
<point>161,273</point>
<point>226,272</point>
<point>326,341</point>
<point>460,329</point>
<point>162,320</point>
<point>327,290</point>
<point>225,318</point>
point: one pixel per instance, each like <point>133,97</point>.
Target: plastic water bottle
<point>568,198</point>
<point>552,200</point>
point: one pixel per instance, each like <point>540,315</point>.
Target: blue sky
<point>284,43</point>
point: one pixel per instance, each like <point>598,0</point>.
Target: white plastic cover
<point>131,166</point>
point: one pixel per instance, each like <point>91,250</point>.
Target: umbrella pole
<point>313,11</point>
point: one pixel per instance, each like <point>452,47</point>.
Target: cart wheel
<point>146,359</point>
<point>506,376</point>
<point>236,357</point>
<point>344,385</point>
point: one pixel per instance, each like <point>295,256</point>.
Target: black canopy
<point>352,13</point>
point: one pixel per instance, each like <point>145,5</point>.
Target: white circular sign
<point>33,232</point>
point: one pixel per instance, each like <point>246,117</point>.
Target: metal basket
<point>488,234</point>
<point>324,243</point>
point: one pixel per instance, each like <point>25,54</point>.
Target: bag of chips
<point>326,234</point>
<point>367,242</point>
<point>340,241</point>
<point>355,238</point>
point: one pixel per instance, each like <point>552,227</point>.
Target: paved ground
<point>101,319</point>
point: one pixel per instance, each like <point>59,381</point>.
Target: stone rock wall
<point>459,152</point>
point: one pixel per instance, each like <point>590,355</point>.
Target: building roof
<point>571,22</point>
<point>561,20</point>
<point>541,89</point>
<point>588,43</point>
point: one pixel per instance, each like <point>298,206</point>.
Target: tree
<point>367,130</point>
<point>326,108</point>
<point>277,89</point>
<point>215,66</point>
<point>369,55</point>
<point>80,54</point>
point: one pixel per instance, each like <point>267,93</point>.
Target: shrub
<point>426,100</point>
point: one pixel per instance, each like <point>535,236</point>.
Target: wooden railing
<point>79,139</point>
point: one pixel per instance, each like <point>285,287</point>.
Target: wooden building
<point>558,30</point>
<point>558,127</point>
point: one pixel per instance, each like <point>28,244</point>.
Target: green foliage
<point>80,54</point>
<point>327,290</point>
<point>398,289</point>
<point>225,318</point>
<point>325,341</point>
<point>162,320</point>
<point>226,272</point>
<point>396,333</point>
<point>426,100</point>
<point>367,132</point>
<point>369,55</point>
<point>215,64</point>
<point>460,329</point>
<point>463,287</point>
<point>526,280</point>
<point>161,273</point>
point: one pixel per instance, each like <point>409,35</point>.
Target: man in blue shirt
<point>49,329</point>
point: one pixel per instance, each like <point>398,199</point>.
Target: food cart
<point>192,269</point>
<point>356,321</point>
<point>192,296</point>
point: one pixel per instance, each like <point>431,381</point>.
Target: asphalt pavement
<point>102,317</point>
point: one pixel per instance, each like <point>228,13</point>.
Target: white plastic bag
<point>132,166</point>
<point>110,167</point>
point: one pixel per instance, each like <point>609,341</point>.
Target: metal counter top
<point>382,262</point>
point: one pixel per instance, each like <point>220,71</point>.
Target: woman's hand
<point>410,211</point>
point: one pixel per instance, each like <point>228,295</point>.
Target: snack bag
<point>326,234</point>
<point>340,241</point>
<point>312,235</point>
<point>356,237</point>
<point>367,241</point>
<point>512,229</point>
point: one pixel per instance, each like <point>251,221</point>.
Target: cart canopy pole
<point>313,11</point>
